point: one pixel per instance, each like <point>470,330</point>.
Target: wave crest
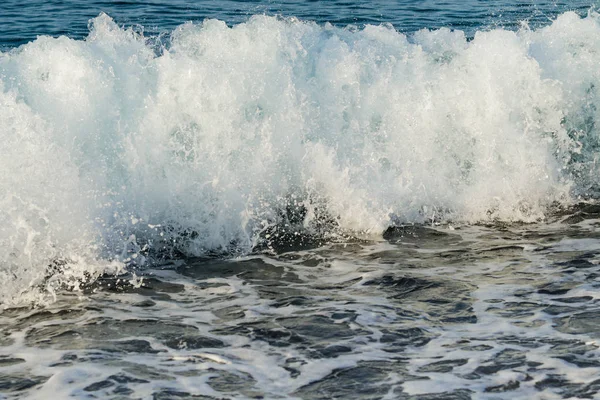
<point>118,147</point>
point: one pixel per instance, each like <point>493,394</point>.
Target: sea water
<point>299,199</point>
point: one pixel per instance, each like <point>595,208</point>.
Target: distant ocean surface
<point>299,199</point>
<point>23,21</point>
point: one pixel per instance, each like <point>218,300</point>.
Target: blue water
<point>299,199</point>
<point>22,21</point>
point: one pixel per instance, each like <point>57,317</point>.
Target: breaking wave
<point>214,139</point>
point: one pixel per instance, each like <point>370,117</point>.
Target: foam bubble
<point>115,147</point>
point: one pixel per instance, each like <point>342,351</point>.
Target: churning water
<point>299,200</point>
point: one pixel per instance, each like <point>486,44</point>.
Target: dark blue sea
<point>23,21</point>
<point>299,200</point>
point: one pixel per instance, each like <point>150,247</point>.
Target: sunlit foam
<point>116,147</point>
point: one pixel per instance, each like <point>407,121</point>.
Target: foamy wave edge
<point>118,148</point>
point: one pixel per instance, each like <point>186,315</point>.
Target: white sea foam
<point>111,147</point>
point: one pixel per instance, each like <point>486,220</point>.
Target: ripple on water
<point>475,312</point>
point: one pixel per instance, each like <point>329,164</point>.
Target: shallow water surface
<point>429,313</point>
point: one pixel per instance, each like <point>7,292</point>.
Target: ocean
<point>299,199</point>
